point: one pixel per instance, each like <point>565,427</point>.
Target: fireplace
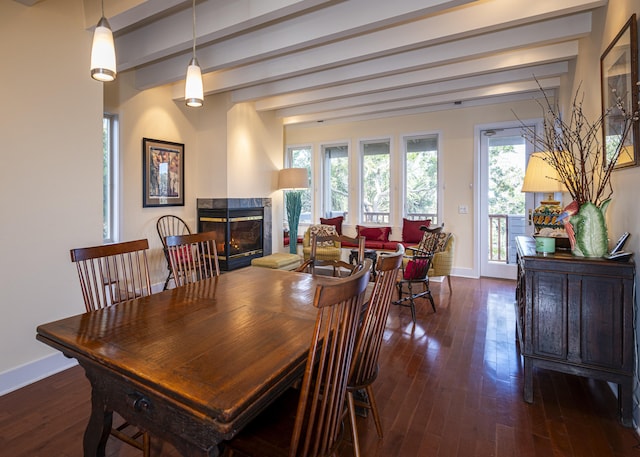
<point>243,227</point>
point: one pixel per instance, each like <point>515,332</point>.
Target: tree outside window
<point>421,172</point>
<point>336,181</point>
<point>376,164</point>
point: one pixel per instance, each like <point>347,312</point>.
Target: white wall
<point>457,142</point>
<point>51,178</point>
<point>151,114</point>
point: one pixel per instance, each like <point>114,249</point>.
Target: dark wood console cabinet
<point>575,315</point>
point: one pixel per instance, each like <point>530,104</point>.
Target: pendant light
<point>103,51</point>
<point>193,91</point>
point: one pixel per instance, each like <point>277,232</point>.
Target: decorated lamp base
<point>546,215</point>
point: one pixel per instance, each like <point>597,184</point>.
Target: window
<point>376,164</point>
<point>421,173</point>
<point>335,189</point>
<point>300,157</point>
<point>109,178</point>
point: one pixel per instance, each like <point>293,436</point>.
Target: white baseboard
<point>28,373</point>
<point>464,273</point>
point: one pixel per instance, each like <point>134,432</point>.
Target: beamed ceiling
<point>330,60</point>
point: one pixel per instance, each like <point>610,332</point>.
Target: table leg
<point>98,428</point>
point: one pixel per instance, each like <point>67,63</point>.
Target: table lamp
<point>291,180</point>
<point>541,176</point>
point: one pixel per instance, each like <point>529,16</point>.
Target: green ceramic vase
<point>590,228</point>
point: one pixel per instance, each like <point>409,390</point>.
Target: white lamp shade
<point>103,53</point>
<point>541,176</point>
<point>193,90</point>
<point>293,178</point>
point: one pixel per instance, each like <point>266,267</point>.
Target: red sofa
<point>377,237</point>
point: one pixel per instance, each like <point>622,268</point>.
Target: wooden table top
<point>219,346</point>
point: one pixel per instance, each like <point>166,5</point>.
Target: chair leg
<point>433,305</point>
<point>413,305</point>
<point>146,443</point>
<point>374,410</point>
<point>166,282</point>
<point>449,282</point>
<point>352,419</point>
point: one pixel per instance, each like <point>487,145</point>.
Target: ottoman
<point>278,261</point>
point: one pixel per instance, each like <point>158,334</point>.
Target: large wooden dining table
<point>192,365</point>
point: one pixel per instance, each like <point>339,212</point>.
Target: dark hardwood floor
<point>450,386</point>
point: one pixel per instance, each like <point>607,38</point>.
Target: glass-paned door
<point>503,158</point>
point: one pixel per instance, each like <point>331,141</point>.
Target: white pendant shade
<point>103,53</point>
<point>193,91</point>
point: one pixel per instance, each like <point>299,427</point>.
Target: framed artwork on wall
<point>619,73</point>
<point>162,173</point>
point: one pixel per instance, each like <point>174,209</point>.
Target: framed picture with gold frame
<point>619,73</point>
<point>162,173</point>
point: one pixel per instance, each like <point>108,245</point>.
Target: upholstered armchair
<point>333,252</point>
<point>443,261</point>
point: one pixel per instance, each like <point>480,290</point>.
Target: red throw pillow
<point>416,269</point>
<point>411,232</point>
<point>374,233</point>
<point>335,221</point>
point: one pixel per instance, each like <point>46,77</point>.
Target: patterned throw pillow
<point>434,241</point>
<point>335,221</point>
<point>441,242</point>
<point>323,230</point>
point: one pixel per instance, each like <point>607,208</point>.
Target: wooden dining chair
<point>170,225</point>
<point>364,367</point>
<point>193,257</point>
<point>307,422</point>
<point>414,282</point>
<point>110,274</point>
<point>338,267</point>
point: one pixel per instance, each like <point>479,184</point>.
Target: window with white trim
<point>301,157</point>
<point>335,177</point>
<point>421,177</point>
<point>109,178</point>
<point>376,181</point>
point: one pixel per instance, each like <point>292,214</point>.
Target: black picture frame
<point>162,173</point>
<point>619,75</point>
